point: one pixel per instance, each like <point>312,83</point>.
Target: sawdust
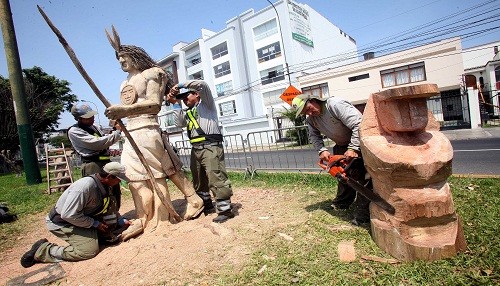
<point>189,252</point>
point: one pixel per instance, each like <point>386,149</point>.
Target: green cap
<point>300,101</point>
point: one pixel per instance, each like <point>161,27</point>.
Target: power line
<point>390,43</point>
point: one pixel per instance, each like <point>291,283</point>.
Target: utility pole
<point>282,42</point>
<point>24,130</point>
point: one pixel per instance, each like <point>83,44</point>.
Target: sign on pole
<point>289,94</point>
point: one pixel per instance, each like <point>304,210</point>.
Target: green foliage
<point>24,201</point>
<point>312,257</point>
<point>58,140</point>
<point>299,135</point>
<point>46,98</point>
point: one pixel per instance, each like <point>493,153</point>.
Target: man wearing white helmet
<point>89,141</point>
<point>338,120</point>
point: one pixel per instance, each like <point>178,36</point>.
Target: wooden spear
<point>78,65</point>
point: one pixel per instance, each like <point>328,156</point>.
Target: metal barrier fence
<point>283,149</point>
<point>262,151</point>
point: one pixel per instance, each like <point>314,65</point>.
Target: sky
<point>157,25</point>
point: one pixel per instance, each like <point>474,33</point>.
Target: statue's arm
<point>151,104</point>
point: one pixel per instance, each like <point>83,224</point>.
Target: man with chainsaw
<point>338,120</point>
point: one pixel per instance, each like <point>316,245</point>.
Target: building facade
<point>482,79</point>
<point>253,60</point>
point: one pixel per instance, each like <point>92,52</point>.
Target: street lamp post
<point>282,42</point>
<point>96,109</point>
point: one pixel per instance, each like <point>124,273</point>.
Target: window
<point>193,60</point>
<point>265,30</point>
<point>169,68</point>
<point>224,88</point>
<point>196,76</point>
<point>272,97</point>
<point>227,108</point>
<point>320,90</point>
<point>272,75</point>
<point>219,50</point>
<point>403,75</point>
<point>222,69</point>
<point>269,52</point>
<point>358,77</point>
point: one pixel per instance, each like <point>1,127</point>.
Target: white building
<point>254,59</point>
<point>482,77</point>
<point>443,63</point>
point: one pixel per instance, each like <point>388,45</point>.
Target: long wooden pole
<point>88,79</point>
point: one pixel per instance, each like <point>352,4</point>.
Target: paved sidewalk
<point>476,133</point>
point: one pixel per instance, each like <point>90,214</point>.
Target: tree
<point>299,134</point>
<point>47,98</point>
<point>58,140</point>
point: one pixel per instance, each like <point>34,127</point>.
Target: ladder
<point>59,175</point>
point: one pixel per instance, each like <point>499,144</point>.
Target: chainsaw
<point>337,167</point>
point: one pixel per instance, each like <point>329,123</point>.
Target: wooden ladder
<point>59,175</point>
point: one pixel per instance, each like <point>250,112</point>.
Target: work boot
<point>133,230</point>
<point>209,207</point>
<point>194,207</point>
<point>28,259</point>
<point>223,216</point>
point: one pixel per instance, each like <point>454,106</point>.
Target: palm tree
<point>298,134</point>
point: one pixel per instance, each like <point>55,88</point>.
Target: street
<point>476,156</point>
<point>473,156</point>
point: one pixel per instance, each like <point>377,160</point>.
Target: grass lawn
<point>311,258</point>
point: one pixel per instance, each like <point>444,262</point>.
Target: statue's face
<point>125,62</point>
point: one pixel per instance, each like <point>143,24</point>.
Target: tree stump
<point>409,161</point>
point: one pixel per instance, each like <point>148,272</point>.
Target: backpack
<point>5,216</point>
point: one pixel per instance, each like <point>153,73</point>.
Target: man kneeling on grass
<point>85,216</point>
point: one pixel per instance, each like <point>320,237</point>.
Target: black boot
<point>28,259</point>
<point>223,216</point>
<point>209,207</point>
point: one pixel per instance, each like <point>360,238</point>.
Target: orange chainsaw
<point>337,167</point>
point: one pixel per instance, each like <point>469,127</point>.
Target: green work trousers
<point>83,244</point>
<point>209,172</point>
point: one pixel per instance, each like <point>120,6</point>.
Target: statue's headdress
<point>140,58</point>
<point>115,43</point>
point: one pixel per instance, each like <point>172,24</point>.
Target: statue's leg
<point>143,201</point>
<point>160,212</point>
<point>194,202</point>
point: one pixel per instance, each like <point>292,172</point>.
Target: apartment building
<point>253,60</point>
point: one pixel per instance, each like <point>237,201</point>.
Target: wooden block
<point>346,250</point>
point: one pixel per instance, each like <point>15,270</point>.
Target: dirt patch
<point>189,252</point>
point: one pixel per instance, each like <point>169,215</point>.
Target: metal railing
<point>284,149</point>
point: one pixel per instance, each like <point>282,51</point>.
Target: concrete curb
<point>476,133</point>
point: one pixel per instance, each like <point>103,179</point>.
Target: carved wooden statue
<point>409,161</point>
<point>141,99</point>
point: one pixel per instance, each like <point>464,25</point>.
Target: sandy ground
<point>187,253</point>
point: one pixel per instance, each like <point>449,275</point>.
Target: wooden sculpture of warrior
<point>141,96</point>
